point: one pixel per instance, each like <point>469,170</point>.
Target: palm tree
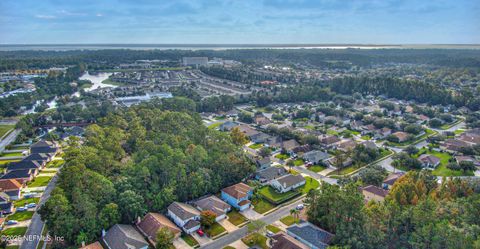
<point>295,213</point>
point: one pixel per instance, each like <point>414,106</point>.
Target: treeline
<point>137,160</point>
<point>417,213</point>
<point>246,75</point>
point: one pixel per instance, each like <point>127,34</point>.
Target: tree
<point>238,137</point>
<point>467,166</point>
<point>264,152</point>
<point>373,175</point>
<point>207,218</point>
<point>109,215</point>
<point>131,205</point>
<point>411,150</point>
<point>295,213</point>
<point>435,122</point>
<point>164,239</point>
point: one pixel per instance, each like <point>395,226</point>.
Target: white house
<point>185,216</point>
<point>214,204</point>
<point>287,182</point>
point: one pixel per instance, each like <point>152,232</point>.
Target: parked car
<point>28,195</point>
<point>300,207</point>
<point>12,222</point>
<point>31,205</point>
<point>21,209</point>
<point>270,234</point>
<point>200,232</point>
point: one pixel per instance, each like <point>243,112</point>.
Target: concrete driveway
<point>201,240</point>
<point>251,214</point>
<point>179,243</point>
<point>239,245</point>
<point>227,225</point>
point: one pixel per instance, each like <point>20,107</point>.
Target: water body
<point>96,80</point>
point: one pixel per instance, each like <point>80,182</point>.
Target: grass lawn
<point>317,168</point>
<point>189,240</point>
<point>55,163</point>
<point>261,206</point>
<point>310,184</point>
<point>5,128</point>
<point>3,162</point>
<point>23,202</point>
<point>459,131</point>
<point>289,220</point>
<point>255,239</point>
<point>12,154</point>
<point>271,194</point>
<point>282,156</point>
<point>255,146</point>
<point>366,137</point>
<point>40,181</point>
<point>214,230</point>
<point>21,216</point>
<point>442,169</point>
<point>214,126</point>
<point>14,231</point>
<point>229,247</point>
<point>12,247</point>
<point>298,162</point>
<point>344,171</point>
<point>236,218</point>
<point>331,132</point>
<point>273,229</point>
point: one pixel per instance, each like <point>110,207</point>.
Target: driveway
<point>179,243</point>
<point>227,225</point>
<point>251,214</point>
<point>201,240</point>
<point>239,245</point>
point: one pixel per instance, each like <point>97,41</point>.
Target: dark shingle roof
<point>271,173</point>
<point>23,173</point>
<point>213,204</point>
<point>124,237</point>
<point>183,211</point>
<point>312,234</point>
<point>290,180</point>
<point>23,165</point>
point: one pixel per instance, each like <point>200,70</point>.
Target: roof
<point>239,190</point>
<point>401,135</point>
<point>4,197</point>
<point>152,222</point>
<point>244,202</point>
<point>376,190</point>
<point>23,165</point>
<point>346,144</point>
<point>37,157</point>
<point>191,224</point>
<point>213,204</point>
<point>316,155</point>
<point>392,178</point>
<point>312,234</point>
<point>329,140</point>
<point>290,180</point>
<point>183,210</point>
<point>9,184</point>
<point>283,241</point>
<point>6,206</point>
<point>290,144</point>
<point>15,174</point>
<point>430,159</point>
<point>271,173</point>
<point>122,236</point>
<point>94,245</point>
<point>43,143</point>
<point>369,144</point>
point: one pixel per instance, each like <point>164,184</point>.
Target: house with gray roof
<point>310,235</point>
<point>185,216</point>
<point>315,156</point>
<point>214,204</point>
<point>268,174</point>
<point>122,236</point>
<point>287,182</point>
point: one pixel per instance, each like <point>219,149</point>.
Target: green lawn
<point>214,126</point>
<point>282,156</point>
<point>255,239</point>
<point>459,131</point>
<point>229,247</point>
<point>23,202</point>
<point>344,171</point>
<point>442,169</point>
<point>40,181</point>
<point>14,231</point>
<point>273,229</point>
<point>316,168</point>
<point>331,132</point>
<point>13,247</point>
<point>236,218</point>
<point>12,154</point>
<point>310,127</point>
<point>289,220</point>
<point>4,129</point>
<point>272,195</point>
<point>214,230</point>
<point>261,206</point>
<point>255,146</point>
<point>189,240</point>
<point>366,137</point>
<point>21,216</point>
<point>55,163</point>
<point>298,162</point>
<point>310,184</point>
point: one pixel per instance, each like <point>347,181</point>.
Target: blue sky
<point>240,21</point>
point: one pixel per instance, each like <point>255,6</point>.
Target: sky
<point>240,21</point>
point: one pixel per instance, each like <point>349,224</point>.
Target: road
<point>316,175</point>
<point>32,236</point>
<point>242,232</point>
<point>9,139</point>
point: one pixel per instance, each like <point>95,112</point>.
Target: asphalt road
<point>9,139</point>
<point>242,232</point>
<point>32,236</point>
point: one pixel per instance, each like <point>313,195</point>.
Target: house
<point>310,235</point>
<point>237,195</point>
<point>391,179</point>
<point>302,149</point>
<point>41,158</point>
<point>369,144</point>
<point>315,156</point>
<point>333,162</point>
<point>35,165</point>
<point>375,193</point>
<point>269,174</point>
<point>152,222</point>
<point>329,141</point>
<point>185,216</point>
<point>12,188</point>
<point>263,163</point>
<point>228,126</point>
<point>94,245</point>
<point>470,137</point>
<point>287,182</point>
<point>453,145</point>
<point>259,138</point>
<point>289,145</point>
<point>346,145</point>
<point>460,159</point>
<point>383,133</point>
<point>402,136</point>
<point>429,161</point>
<point>261,120</point>
<point>22,176</point>
<point>122,236</point>
<point>6,207</point>
<point>283,241</point>
<point>274,142</point>
<point>214,204</point>
<point>247,130</point>
<point>44,146</point>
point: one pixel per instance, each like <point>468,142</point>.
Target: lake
<point>96,80</point>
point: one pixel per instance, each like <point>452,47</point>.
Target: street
<point>9,139</point>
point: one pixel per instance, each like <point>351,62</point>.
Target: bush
<point>453,166</point>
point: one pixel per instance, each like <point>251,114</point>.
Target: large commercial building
<point>195,61</point>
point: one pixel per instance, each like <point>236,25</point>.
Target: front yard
<point>261,206</point>
<point>310,184</point>
<point>282,156</point>
<point>21,216</point>
<point>273,196</point>
<point>23,202</point>
<point>316,168</point>
<point>255,239</point>
<point>255,146</point>
<point>39,181</point>
<point>236,218</point>
<point>298,162</point>
<point>55,163</point>
<point>214,230</point>
<point>14,231</point>
<point>189,240</point>
<point>273,229</point>
<point>289,220</point>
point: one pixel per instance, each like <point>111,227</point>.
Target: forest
<point>137,160</point>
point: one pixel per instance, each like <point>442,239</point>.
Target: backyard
<point>282,156</point>
<point>255,146</point>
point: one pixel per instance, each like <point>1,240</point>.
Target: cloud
<point>45,16</point>
<point>99,15</point>
<point>68,13</point>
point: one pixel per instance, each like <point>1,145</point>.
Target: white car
<point>299,206</point>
